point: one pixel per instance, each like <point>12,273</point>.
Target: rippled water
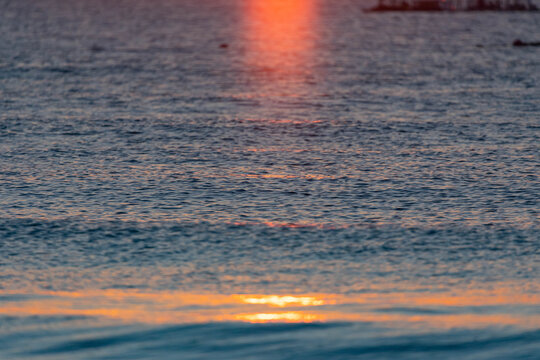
<point>267,179</point>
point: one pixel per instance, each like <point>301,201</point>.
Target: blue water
<point>305,341</point>
<point>267,147</point>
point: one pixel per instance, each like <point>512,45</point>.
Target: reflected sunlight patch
<point>504,304</point>
<point>281,301</point>
<point>279,317</point>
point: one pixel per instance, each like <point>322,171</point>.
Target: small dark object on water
<point>518,42</point>
<point>96,48</point>
<point>224,45</point>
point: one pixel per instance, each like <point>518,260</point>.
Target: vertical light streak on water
<point>281,43</point>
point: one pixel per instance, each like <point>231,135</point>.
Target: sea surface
<point>267,179</point>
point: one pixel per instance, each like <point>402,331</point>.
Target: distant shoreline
<point>452,6</point>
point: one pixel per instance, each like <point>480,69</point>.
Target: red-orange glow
<point>280,39</point>
<point>290,225</point>
<point>285,176</point>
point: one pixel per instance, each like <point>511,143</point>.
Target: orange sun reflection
<point>504,302</point>
<point>296,316</point>
<point>282,301</point>
<point>280,36</point>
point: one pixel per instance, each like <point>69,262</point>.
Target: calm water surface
<point>266,179</point>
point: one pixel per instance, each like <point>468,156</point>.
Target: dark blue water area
<point>65,339</point>
<point>257,257</point>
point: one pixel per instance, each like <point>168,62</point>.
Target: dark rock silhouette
<point>518,42</point>
<point>453,5</point>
